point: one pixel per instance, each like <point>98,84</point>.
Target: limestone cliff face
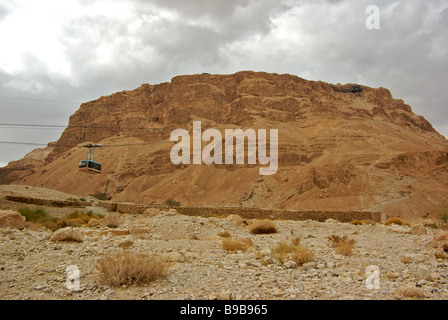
<point>338,146</point>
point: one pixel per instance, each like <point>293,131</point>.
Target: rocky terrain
<point>33,261</point>
<point>341,147</point>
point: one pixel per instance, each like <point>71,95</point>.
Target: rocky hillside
<point>340,147</point>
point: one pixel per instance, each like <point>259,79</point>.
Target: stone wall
<point>47,202</point>
<point>256,213</point>
<point>248,213</point>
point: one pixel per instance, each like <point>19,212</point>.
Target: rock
<point>277,293</point>
<point>289,264</point>
<point>331,220</point>
<point>308,265</point>
<point>435,276</point>
<point>172,212</point>
<point>115,232</point>
<point>238,220</point>
<point>175,257</point>
<point>320,266</point>
<point>11,219</point>
<point>424,273</point>
<point>226,295</point>
<point>267,260</point>
<point>94,223</point>
<point>67,234</point>
<point>421,283</point>
<point>152,212</point>
<point>330,264</point>
<point>418,229</point>
<point>139,230</point>
<point>399,229</point>
<point>409,292</point>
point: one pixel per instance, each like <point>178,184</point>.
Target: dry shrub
<point>398,221</point>
<point>112,220</point>
<point>126,244</point>
<point>247,242</point>
<point>33,226</point>
<point>263,227</point>
<point>224,234</point>
<point>343,245</point>
<point>292,251</point>
<point>441,255</point>
<point>126,268</point>
<point>345,248</point>
<point>236,244</point>
<point>83,217</point>
<point>296,240</point>
<point>302,255</point>
<point>362,222</point>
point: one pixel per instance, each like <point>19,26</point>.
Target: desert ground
<point>33,261</point>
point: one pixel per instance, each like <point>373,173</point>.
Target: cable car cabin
<point>89,166</point>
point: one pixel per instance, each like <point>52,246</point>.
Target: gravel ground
<point>32,266</point>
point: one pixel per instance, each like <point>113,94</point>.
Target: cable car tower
<point>89,165</point>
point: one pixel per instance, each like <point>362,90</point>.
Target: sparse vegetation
<point>126,244</point>
<point>99,195</point>
<point>344,245</point>
<point>262,227</point>
<point>112,220</point>
<point>84,217</point>
<point>127,268</point>
<point>33,215</point>
<point>395,220</point>
<point>224,234</point>
<point>362,222</point>
<point>39,217</point>
<point>232,245</point>
<point>292,251</point>
<point>441,255</point>
<point>172,202</point>
<point>442,212</point>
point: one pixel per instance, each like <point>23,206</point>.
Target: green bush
<point>99,195</point>
<point>172,202</point>
<point>33,215</point>
<point>40,217</point>
<point>442,211</point>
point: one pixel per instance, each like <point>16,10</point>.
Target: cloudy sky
<point>56,54</point>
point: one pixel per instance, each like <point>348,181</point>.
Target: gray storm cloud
<point>102,47</point>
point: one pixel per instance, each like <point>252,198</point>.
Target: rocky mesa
<point>340,147</point>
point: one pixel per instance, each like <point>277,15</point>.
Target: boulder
<point>418,229</point>
<point>12,219</point>
<point>67,234</point>
<point>409,292</point>
<point>424,273</point>
<point>152,212</point>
